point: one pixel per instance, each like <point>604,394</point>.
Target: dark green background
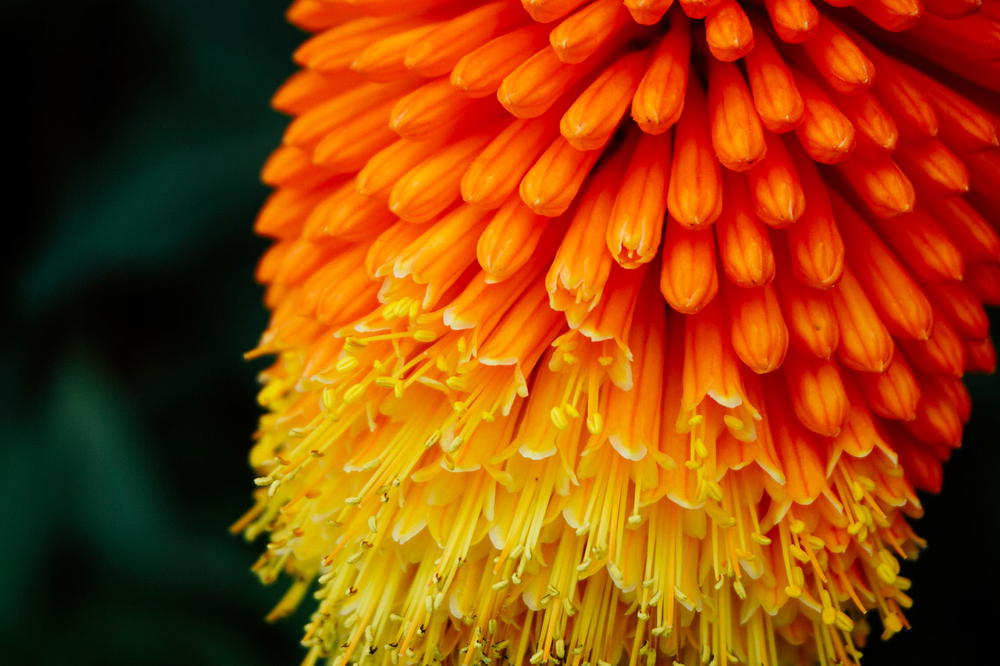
<point>138,128</point>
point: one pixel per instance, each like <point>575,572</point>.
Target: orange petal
<point>881,184</point>
<point>964,311</point>
<point>811,319</point>
<point>306,88</point>
<point>905,101</point>
<point>428,108</point>
<point>775,186</point>
<point>902,306</point>
<point>893,394</point>
<point>484,304</point>
<point>546,11</point>
<point>859,437</point>
<point>433,185</point>
<point>316,123</point>
<point>532,88</point>
<point>694,196</point>
<point>976,238</point>
<point>941,353</point>
<point>743,241</point>
<point>582,34</point>
<point>481,72</point>
<point>980,356</point>
<point>818,395</point>
<point>814,243</point>
<point>552,182</point>
<point>582,263</point>
<point>291,166</point>
<point>347,214</point>
<point>710,366</point>
<point>285,211</point>
<point>439,256</point>
<point>380,173</point>
<point>496,171</point>
<point>636,223</point>
<point>612,317</point>
<point>805,478</point>
<point>699,9</point>
<point>383,7</point>
<point>737,135</point>
<point>758,331</point>
<point>952,8</point>
<point>521,335</point>
<point>315,15</point>
<point>631,433</point>
<point>597,112</point>
<point>894,15</point>
<point>658,102</point>
<point>445,45</point>
<point>984,174</point>
<point>333,50</point>
<point>958,395</point>
<point>509,239</point>
<point>932,167</point>
<point>356,141</point>
<point>919,462</point>
<point>382,60</point>
<point>648,12</point>
<point>984,280</point>
<point>875,128</point>
<point>337,293</point>
<point>825,133</point>
<point>689,280</point>
<point>302,260</point>
<point>795,21</point>
<point>923,244</point>
<point>865,344</point>
<point>774,91</point>
<point>838,58</point>
<point>386,247</point>
<point>937,421</point>
<point>974,38</point>
<point>728,31</point>
<point>962,124</point>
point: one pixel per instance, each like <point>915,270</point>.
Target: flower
<point>614,329</point>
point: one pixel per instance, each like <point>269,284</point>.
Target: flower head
<point>617,330</point>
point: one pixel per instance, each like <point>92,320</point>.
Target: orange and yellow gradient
<point>620,331</point>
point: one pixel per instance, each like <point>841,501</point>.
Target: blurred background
<point>138,129</point>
